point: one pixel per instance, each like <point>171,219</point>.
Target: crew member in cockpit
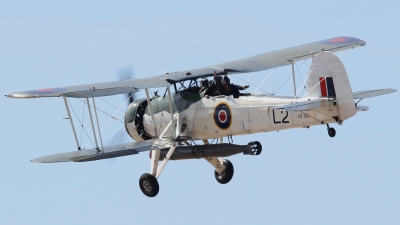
<point>232,89</point>
<point>220,87</point>
<point>224,87</point>
<point>216,88</point>
<point>204,85</point>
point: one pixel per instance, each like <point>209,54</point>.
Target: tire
<point>331,132</point>
<point>227,175</point>
<point>149,185</point>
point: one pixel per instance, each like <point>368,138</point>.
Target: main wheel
<point>331,132</point>
<point>227,175</point>
<point>149,185</point>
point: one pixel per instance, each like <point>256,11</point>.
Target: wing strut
<point>151,112</point>
<point>155,154</point>
<point>172,113</point>
<point>91,121</point>
<point>72,123</point>
<point>98,125</point>
<point>294,79</point>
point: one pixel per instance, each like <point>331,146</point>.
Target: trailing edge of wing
<point>306,105</point>
<point>109,152</point>
<point>372,93</point>
<point>251,64</point>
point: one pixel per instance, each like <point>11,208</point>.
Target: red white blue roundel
<point>222,116</point>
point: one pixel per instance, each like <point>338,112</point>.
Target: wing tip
<point>343,40</point>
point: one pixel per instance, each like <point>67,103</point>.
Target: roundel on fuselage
<point>222,116</point>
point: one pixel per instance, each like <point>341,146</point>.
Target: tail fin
<point>328,78</point>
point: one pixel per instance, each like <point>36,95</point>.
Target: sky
<point>302,176</point>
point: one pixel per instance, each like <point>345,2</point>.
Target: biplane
<point>167,126</point>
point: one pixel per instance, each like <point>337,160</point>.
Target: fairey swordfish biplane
<point>168,126</point>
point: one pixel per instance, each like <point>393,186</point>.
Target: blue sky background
<point>302,177</point>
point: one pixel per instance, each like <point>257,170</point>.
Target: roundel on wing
<point>222,116</point>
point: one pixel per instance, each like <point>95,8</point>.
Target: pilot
<point>221,88</point>
<point>215,87</point>
<point>204,85</point>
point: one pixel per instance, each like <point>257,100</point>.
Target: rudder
<point>328,79</point>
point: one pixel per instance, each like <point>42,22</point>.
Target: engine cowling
<point>134,120</point>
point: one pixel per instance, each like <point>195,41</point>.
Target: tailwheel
<point>331,131</point>
<point>226,175</point>
<point>149,185</point>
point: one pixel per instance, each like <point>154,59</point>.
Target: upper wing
<point>250,64</point>
<point>94,90</point>
<point>109,152</point>
<point>372,93</point>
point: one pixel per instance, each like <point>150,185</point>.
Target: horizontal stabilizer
<point>109,152</point>
<point>306,105</point>
<point>372,93</point>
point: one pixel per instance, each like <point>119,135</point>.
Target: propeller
<point>127,73</point>
<point>123,73</point>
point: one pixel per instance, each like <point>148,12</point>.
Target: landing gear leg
<point>148,182</point>
<point>331,131</point>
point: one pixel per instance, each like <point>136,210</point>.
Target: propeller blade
<point>127,73</point>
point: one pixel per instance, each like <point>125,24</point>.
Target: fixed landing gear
<point>149,185</point>
<point>331,131</point>
<point>225,176</point>
<point>213,154</point>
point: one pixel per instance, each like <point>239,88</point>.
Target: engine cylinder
<point>134,120</point>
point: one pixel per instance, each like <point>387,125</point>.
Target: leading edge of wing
<point>94,90</point>
<point>287,56</point>
<point>109,152</point>
<point>271,59</point>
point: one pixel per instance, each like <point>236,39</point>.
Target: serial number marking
<point>284,118</point>
<point>304,115</point>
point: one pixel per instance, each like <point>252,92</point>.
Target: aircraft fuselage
<point>221,116</point>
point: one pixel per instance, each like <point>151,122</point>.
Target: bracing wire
<point>80,122</point>
<point>264,80</point>
<point>283,83</point>
<point>248,82</point>
<point>114,137</point>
